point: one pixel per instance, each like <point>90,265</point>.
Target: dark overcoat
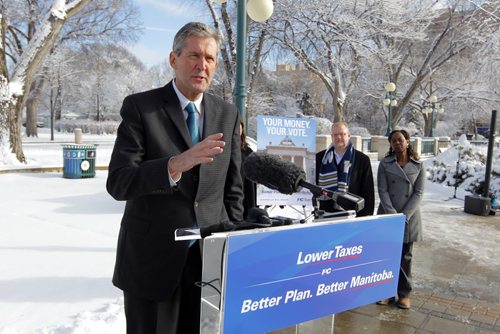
<point>149,262</point>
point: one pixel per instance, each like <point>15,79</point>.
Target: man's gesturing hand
<point>200,153</point>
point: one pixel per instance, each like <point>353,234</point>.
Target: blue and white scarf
<point>336,177</point>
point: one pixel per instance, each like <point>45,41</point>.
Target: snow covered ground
<point>58,239</point>
<point>57,253</point>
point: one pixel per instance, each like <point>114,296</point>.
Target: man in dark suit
<point>176,166</point>
<point>343,168</point>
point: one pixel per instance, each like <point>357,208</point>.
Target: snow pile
<point>109,319</point>
<point>464,165</point>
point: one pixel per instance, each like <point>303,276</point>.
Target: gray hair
<point>193,29</point>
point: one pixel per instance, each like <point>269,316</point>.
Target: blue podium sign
<point>281,277</point>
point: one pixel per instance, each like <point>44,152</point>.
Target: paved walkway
<point>430,313</point>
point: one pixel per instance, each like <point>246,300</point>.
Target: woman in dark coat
<point>401,179</point>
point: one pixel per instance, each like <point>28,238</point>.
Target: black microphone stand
<point>456,176</point>
<point>347,198</point>
<point>456,179</point>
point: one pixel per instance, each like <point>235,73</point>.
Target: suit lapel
<point>173,111</point>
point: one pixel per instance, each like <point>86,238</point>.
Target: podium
<point>262,280</point>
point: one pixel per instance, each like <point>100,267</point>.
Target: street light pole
<point>430,108</point>
<point>260,11</point>
<point>240,90</point>
<point>431,133</point>
<point>432,101</point>
<point>390,101</point>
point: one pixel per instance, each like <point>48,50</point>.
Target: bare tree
<point>331,39</point>
<point>28,64</point>
<point>49,25</point>
<point>454,32</point>
<point>104,20</point>
<point>106,73</point>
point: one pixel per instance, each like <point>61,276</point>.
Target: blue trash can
<point>79,161</point>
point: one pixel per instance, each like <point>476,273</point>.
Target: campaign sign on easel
<point>285,276</point>
<point>293,139</point>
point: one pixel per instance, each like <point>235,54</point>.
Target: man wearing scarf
<point>342,168</point>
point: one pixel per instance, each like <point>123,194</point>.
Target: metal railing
<point>366,143</point>
<point>427,146</point>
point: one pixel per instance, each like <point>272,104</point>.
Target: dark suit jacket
<point>360,183</point>
<point>149,262</point>
<point>249,187</point>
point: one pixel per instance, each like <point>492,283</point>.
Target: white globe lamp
<point>260,10</point>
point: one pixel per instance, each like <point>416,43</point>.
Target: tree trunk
<point>338,115</point>
<point>254,70</point>
<point>4,129</point>
<point>32,107</point>
<point>58,99</point>
<point>4,105</point>
<point>31,130</point>
<point>16,142</point>
<point>98,109</point>
<point>56,102</point>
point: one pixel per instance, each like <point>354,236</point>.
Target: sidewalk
<point>430,313</point>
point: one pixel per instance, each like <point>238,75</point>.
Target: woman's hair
<point>243,137</point>
<point>409,149</point>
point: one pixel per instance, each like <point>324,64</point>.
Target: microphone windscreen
<point>273,172</point>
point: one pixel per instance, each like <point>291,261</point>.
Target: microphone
<point>278,174</point>
<point>273,172</point>
<point>288,178</point>
<point>349,201</point>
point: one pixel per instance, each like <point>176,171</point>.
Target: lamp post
<point>431,109</point>
<point>258,10</point>
<point>389,101</point>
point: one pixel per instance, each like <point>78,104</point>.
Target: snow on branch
<point>59,9</point>
<point>9,90</point>
<point>44,38</point>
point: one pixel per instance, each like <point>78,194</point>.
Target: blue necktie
<point>194,131</point>
<point>192,123</point>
